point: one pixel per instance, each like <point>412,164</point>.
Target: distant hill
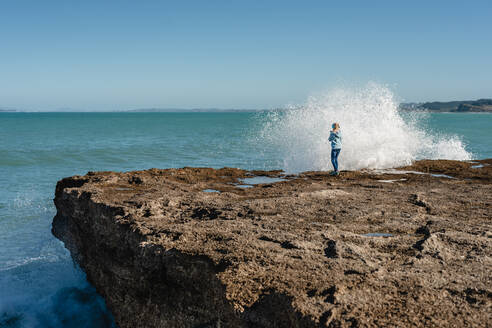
<point>463,106</point>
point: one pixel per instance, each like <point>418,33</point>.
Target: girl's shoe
<point>334,173</point>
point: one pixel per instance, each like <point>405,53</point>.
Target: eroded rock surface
<point>295,253</point>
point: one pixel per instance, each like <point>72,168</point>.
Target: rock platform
<point>199,247</point>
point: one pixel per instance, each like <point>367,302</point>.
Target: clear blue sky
<point>107,55</point>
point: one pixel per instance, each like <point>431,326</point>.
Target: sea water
<point>40,286</point>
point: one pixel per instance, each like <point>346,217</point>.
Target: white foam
<point>375,134</point>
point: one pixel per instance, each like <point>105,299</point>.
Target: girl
<point>336,146</point>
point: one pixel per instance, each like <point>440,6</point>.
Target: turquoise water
<point>39,284</point>
<point>474,128</point>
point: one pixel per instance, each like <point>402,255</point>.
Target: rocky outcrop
<point>474,108</point>
<point>480,105</point>
<point>192,247</point>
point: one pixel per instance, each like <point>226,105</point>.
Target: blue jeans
<point>334,158</point>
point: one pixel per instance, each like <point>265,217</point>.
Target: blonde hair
<point>336,126</point>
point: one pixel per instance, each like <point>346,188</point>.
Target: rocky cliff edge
<point>199,247</point>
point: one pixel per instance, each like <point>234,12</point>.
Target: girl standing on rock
<point>336,146</point>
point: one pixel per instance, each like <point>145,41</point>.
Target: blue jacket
<point>336,140</point>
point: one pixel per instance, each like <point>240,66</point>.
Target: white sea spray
<point>375,133</point>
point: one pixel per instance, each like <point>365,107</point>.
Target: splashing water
<point>375,134</point>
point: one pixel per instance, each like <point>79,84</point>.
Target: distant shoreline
<point>213,112</point>
<point>136,112</point>
<point>461,106</point>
